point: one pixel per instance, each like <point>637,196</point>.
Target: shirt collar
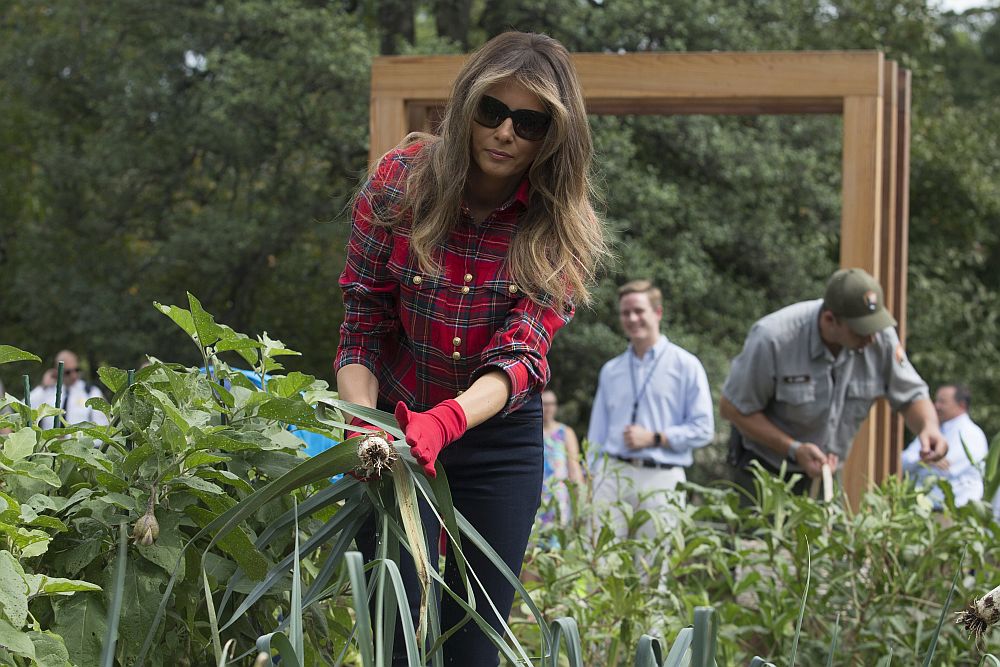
<point>816,347</point>
<point>661,344</point>
<point>956,421</point>
<point>521,196</point>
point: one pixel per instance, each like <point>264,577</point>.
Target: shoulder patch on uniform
<point>796,379</point>
<point>900,354</point>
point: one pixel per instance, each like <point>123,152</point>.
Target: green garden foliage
<point>872,582</point>
<point>150,149</point>
<point>239,543</point>
<point>183,448</point>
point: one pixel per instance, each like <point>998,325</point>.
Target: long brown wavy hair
<point>560,241</point>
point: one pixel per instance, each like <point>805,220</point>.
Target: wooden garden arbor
<point>872,95</point>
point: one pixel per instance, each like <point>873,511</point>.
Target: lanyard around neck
<point>638,394</point>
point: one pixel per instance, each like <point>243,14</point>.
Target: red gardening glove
<point>427,433</point>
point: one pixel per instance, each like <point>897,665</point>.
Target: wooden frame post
<point>871,94</point>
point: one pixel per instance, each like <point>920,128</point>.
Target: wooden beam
<point>860,245</point>
<point>902,240</point>
<point>657,83</point>
<point>903,198</point>
<point>886,450</point>
<point>388,124</point>
<point>777,74</point>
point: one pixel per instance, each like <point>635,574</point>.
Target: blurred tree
<point>172,148</point>
<point>151,148</point>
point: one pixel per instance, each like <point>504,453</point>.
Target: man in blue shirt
<point>652,409</point>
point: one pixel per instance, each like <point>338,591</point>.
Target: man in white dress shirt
<point>652,409</point>
<point>952,405</point>
<point>75,393</point>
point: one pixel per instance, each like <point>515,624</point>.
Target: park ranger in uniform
<point>808,375</point>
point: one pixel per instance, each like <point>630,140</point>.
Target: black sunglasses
<point>529,125</point>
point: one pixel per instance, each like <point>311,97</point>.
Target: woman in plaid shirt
<point>467,252</point>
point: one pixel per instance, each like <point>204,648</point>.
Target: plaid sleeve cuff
<point>520,350</point>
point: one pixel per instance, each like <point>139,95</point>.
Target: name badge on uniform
<point>796,379</point>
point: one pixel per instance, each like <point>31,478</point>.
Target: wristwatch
<point>657,439</point>
<point>792,448</point>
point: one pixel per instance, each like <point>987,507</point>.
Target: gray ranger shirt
<point>786,372</point>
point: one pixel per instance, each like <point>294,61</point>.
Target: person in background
<point>808,376</point>
<point>76,391</point>
<point>652,409</point>
<point>967,449</point>
<point>468,252</point>
<point>562,460</point>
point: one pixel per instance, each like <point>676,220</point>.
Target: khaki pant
<point>651,489</point>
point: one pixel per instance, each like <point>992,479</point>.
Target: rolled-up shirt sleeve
<point>904,383</point>
<point>370,291</point>
<point>698,427</point>
<point>520,349</point>
<point>750,385</point>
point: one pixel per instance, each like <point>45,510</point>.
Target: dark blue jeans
<point>495,473</point>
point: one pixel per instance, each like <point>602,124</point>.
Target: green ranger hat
<point>855,297</point>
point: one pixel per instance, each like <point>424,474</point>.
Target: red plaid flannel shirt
<point>428,337</point>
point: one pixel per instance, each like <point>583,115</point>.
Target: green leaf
<point>356,569</point>
<point>86,455</point>
<point>240,343</point>
<point>16,641</point>
<point>223,443</point>
<point>226,477</point>
<point>49,522</point>
<point>99,404</point>
<point>143,583</point>
<point>275,348</point>
<point>200,458</point>
<point>50,650</point>
<point>111,482</point>
<point>929,658</point>
<point>73,560</point>
<point>290,385</point>
<point>40,584</point>
<point>567,627</point>
<point>278,642</point>
<point>181,317</point>
<point>10,354</point>
<point>291,411</point>
<point>235,543</point>
<point>81,620</point>
<point>39,471</point>
<point>13,590</point>
<point>37,544</point>
<point>197,483</point>
<point>20,444</point>
<point>704,640</point>
<point>206,329</point>
<point>117,593</point>
<point>166,551</point>
<point>115,379</point>
<point>137,457</point>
